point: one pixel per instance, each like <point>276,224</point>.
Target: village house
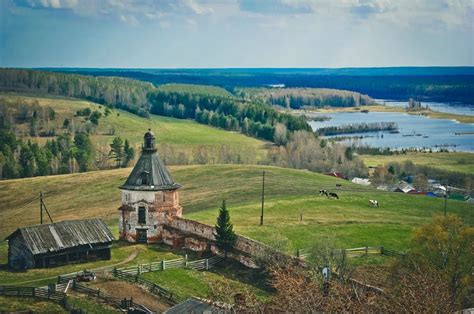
<point>149,197</point>
<point>59,243</point>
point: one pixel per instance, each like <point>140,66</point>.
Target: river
<point>415,131</point>
<point>447,107</point>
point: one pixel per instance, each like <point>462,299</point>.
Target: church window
<point>141,215</point>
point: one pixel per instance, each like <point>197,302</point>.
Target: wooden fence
<point>356,252</point>
<point>150,286</point>
<point>32,292</point>
<point>172,264</point>
<point>122,304</point>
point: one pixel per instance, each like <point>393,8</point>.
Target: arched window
<point>141,215</point>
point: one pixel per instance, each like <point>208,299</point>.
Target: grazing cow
<point>374,203</point>
<point>334,195</point>
<point>323,192</point>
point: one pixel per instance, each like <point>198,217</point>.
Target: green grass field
<point>456,161</point>
<point>28,305</point>
<point>183,135</point>
<point>289,193</point>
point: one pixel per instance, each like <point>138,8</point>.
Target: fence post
<point>186,260</point>
<point>115,272</point>
<point>366,251</point>
<point>207,264</point>
<point>381,250</point>
<point>298,253</point>
<point>163,265</point>
<point>149,268</point>
<point>98,292</point>
<point>138,269</point>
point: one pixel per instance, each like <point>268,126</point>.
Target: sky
<point>236,33</point>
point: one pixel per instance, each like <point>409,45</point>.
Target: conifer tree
<point>225,235</point>
<point>129,153</point>
<point>116,150</point>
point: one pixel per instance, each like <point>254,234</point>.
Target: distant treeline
<point>207,105</point>
<point>297,98</point>
<point>252,118</point>
<point>436,84</point>
<point>393,172</point>
<point>130,95</point>
<point>357,128</point>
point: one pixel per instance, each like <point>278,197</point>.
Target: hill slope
<point>289,193</point>
<point>182,135</point>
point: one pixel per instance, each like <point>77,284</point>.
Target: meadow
<point>452,161</point>
<point>289,195</point>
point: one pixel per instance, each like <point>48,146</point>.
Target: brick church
<point>150,197</point>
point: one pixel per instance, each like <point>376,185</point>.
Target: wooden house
<point>59,243</point>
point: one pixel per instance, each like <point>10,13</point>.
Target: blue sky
<point>236,33</point>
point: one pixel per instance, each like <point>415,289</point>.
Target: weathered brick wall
<point>203,233</point>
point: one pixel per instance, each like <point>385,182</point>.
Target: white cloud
<point>198,8</point>
<point>402,13</point>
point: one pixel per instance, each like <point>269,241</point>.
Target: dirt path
<point>129,258</point>
<point>122,289</point>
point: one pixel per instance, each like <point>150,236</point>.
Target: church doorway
<point>141,236</point>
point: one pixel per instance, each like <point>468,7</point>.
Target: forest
<point>358,128</point>
<point>251,118</point>
<point>130,95</point>
<point>207,105</point>
<point>422,83</point>
<point>300,98</point>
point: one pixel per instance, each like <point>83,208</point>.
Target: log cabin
<point>60,243</point>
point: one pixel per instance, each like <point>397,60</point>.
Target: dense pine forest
<point>423,83</point>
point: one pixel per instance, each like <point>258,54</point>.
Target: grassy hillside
<point>289,193</point>
<point>183,135</point>
<point>460,162</point>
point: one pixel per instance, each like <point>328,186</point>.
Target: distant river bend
<point>414,131</point>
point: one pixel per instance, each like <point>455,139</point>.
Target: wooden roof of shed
<point>62,235</point>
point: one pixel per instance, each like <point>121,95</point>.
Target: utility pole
<point>41,207</point>
<point>263,197</point>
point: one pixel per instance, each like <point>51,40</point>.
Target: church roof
<point>150,173</point>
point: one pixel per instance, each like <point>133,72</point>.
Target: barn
<point>54,244</point>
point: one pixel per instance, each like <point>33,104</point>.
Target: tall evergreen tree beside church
<point>225,235</point>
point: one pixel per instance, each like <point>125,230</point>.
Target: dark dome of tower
<point>149,134</point>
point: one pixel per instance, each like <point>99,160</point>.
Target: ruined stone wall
<point>196,236</point>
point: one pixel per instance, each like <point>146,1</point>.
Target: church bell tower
<point>149,197</point>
